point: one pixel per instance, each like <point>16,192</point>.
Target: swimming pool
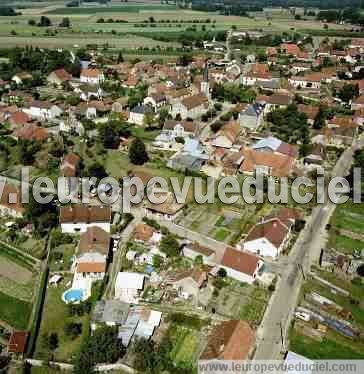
<point>73,296</point>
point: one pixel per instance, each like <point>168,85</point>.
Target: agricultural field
<point>330,348</point>
<point>305,338</point>
<point>121,21</point>
<point>346,233</point>
<point>18,278</point>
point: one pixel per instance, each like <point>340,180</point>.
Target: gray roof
<point>188,162</point>
<point>254,110</point>
<point>111,311</point>
<point>272,84</point>
<point>141,109</point>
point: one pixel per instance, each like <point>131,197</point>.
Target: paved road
<point>118,255</point>
<point>272,334</point>
<point>206,132</point>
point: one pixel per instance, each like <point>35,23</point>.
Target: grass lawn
<point>355,290</point>
<point>67,251</point>
<point>253,311</point>
<point>343,243</point>
<point>16,257</point>
<point>55,318</point>
<point>221,235</point>
<point>117,164</point>
<point>145,135</point>
<point>331,347</point>
<point>34,247</point>
<point>349,216</point>
<point>185,345</point>
<point>15,312</point>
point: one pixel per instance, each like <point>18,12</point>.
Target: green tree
<point>102,346</point>
<point>96,170</point>
<point>320,119</point>
<point>65,22</point>
<point>348,92</point>
<point>170,246</point>
<point>137,152</point>
<point>120,58</point>
<point>109,133</point>
<point>44,22</point>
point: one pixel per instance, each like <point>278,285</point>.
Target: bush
<point>73,329</point>
<point>186,320</point>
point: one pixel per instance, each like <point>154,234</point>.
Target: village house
<point>189,283</point>
<point>191,107</point>
<point>43,110</point>
<point>275,101</point>
<point>128,287</point>
<point>110,313</point>
<point>242,266</point>
<point>310,111</point>
<point>11,202</point>
<point>79,217</point>
<point>227,136</point>
<point>192,156</point>
<point>230,340</point>
<point>155,101</point>
<point>58,77</point>
<point>138,113</point>
<point>252,116</point>
<point>174,130</point>
<point>141,323</point>
<point>92,76</point>
<point>31,132</point>
<point>358,103</point>
<point>22,77</point>
<point>70,164</point>
<point>167,210</point>
<point>266,163</point>
<point>194,250</point>
<point>176,96</point>
<point>18,343</point>
<point>270,236</point>
<point>146,234</point>
<point>258,72</point>
<point>88,91</point>
<point>18,119</point>
<point>276,146</point>
<point>93,251</point>
<point>289,49</point>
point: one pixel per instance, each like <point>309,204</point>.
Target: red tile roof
<point>272,230</point>
<point>280,165</point>
<point>94,240</point>
<point>231,340</point>
<point>62,75</point>
<point>18,342</point>
<point>143,232</point>
<point>91,267</point>
<point>84,213</point>
<point>240,261</point>
<point>10,194</point>
<point>31,132</point>
<point>90,73</point>
<point>19,118</point>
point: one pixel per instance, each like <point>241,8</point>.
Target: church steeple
<point>206,72</point>
<point>205,87</point>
